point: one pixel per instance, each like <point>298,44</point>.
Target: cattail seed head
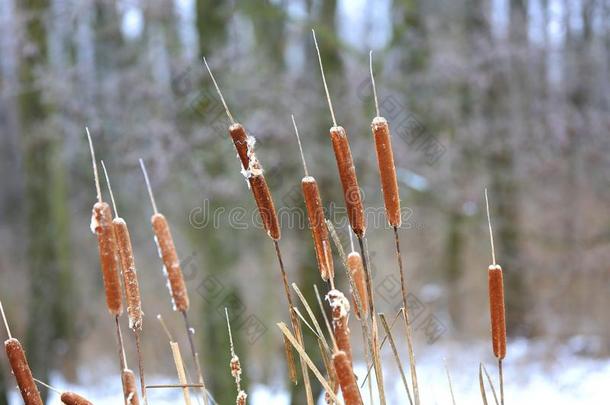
<point>167,252</point>
<point>101,224</point>
<point>71,398</point>
<point>130,390</point>
<point>496,308</point>
<point>387,170</point>
<point>265,205</point>
<point>356,269</point>
<point>319,231</point>
<point>349,181</point>
<point>21,371</point>
<point>253,171</point>
<point>130,276</point>
<point>339,306</point>
<point>347,379</point>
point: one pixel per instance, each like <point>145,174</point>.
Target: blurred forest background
<point>513,95</point>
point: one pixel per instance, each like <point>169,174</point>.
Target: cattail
<point>347,379</point>
<point>101,225</point>
<point>387,170</point>
<point>71,398</point>
<point>130,390</point>
<point>345,164</point>
<point>253,171</point>
<point>167,252</point>
<point>340,310</point>
<point>496,298</point>
<point>21,371</point>
<point>241,398</point>
<point>315,214</point>
<point>496,309</point>
<point>130,276</point>
<point>319,232</point>
<point>128,265</point>
<point>385,160</point>
<point>356,269</point>
<point>349,182</point>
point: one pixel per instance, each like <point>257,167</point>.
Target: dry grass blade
<point>388,333</point>
<point>450,382</point>
<point>491,384</point>
<point>305,357</point>
<point>180,371</point>
<point>385,338</point>
<point>304,371</point>
<point>482,385</point>
<point>313,318</point>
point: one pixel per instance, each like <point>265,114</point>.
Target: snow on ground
<point>533,375</point>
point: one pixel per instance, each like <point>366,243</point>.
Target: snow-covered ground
<point>533,375</point>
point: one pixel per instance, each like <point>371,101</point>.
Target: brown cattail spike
<point>340,316</point>
<point>385,160</point>
<point>21,371</point>
<point>252,170</point>
<point>130,390</point>
<point>315,214</point>
<point>496,308</point>
<point>349,181</point>
<point>356,269</point>
<point>130,276</point>
<point>167,251</point>
<point>387,170</point>
<point>101,224</point>
<point>71,398</point>
<point>347,378</point>
<point>266,207</point>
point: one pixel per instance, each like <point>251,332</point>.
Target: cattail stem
<point>190,332</point>
<point>95,173</point>
<point>375,330</point>
<point>408,326</point>
<point>138,338</point>
<point>501,375</point>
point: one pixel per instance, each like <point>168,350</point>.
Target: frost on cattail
<point>349,181</point>
<point>21,371</point>
<point>130,276</point>
<point>101,225</point>
<point>339,306</point>
<point>347,378</point>
<point>130,390</point>
<point>253,171</point>
<point>496,309</point>
<point>71,398</point>
<point>235,368</point>
<point>167,251</point>
<point>387,170</point>
<point>241,398</point>
<point>356,269</point>
<point>319,231</point>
